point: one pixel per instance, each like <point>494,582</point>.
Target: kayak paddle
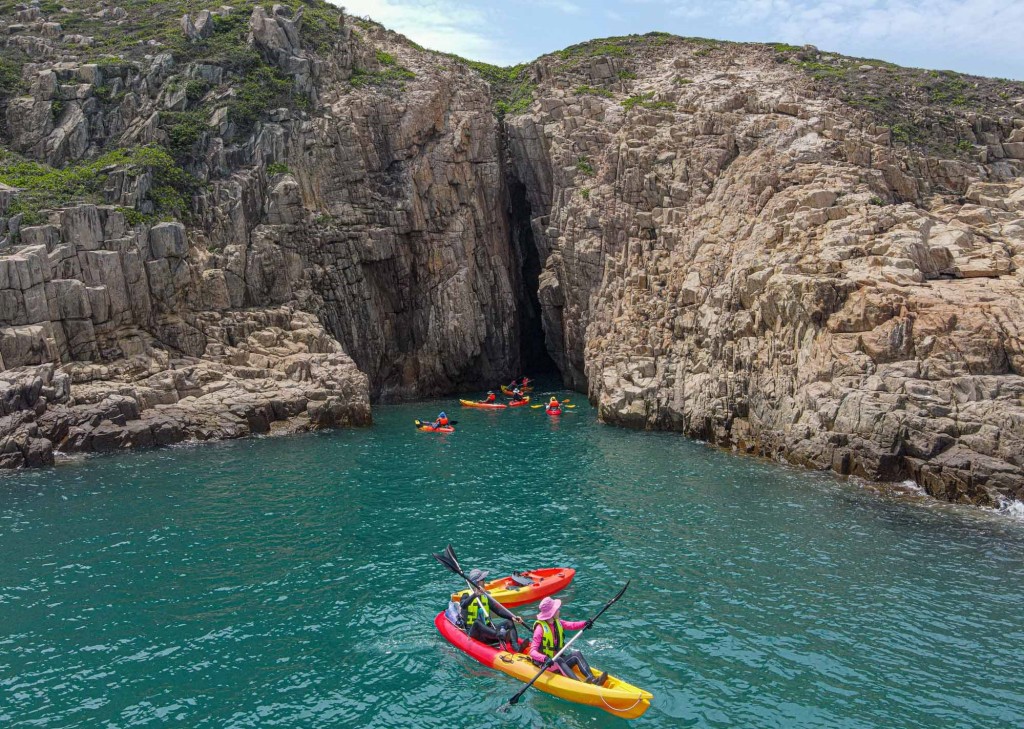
<point>451,562</point>
<point>515,699</point>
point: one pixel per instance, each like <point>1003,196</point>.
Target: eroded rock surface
<point>352,242</point>
<point>733,254</point>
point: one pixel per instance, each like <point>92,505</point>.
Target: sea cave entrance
<point>535,359</point>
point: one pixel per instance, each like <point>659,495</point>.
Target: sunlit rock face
<point>732,253</point>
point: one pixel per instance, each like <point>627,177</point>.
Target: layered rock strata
<point>735,255</point>
<point>353,243</point>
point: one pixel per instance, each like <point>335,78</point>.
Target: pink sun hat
<point>548,607</point>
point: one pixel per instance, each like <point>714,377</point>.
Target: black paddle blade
<point>450,553</point>
<point>443,559</point>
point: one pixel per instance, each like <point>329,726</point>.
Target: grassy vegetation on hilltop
<point>923,108</point>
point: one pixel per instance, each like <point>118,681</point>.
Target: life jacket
<point>491,397</point>
<point>549,644</point>
<point>477,610</point>
<point>443,421</point>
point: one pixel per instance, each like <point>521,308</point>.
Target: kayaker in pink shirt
<point>549,637</point>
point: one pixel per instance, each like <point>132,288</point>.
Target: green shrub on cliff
<point>391,73</point>
<point>583,165</point>
<point>10,77</point>
<point>646,100</point>
<point>511,86</point>
<point>42,186</point>
<point>593,91</point>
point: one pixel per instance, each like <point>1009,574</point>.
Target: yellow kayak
<point>616,696</point>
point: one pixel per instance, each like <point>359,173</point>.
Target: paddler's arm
<point>503,611</point>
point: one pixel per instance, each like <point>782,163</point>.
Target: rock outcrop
<point>348,239</point>
<point>731,253</point>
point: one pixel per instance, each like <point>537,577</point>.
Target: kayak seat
<point>521,581</point>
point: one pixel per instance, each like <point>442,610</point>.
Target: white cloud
<point>444,25</point>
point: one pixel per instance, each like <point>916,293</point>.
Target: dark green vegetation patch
<point>44,187</point>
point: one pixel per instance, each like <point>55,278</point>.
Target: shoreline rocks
<point>286,370</point>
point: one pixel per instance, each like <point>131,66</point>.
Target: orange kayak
<point>615,696</point>
<point>511,591</point>
<point>524,401</point>
<point>485,405</point>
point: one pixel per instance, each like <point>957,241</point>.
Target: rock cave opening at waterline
<point>534,355</point>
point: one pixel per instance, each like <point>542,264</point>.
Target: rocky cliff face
<point>261,217</point>
<point>733,252</point>
<point>338,226</point>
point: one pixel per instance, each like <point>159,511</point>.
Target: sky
<point>984,37</point>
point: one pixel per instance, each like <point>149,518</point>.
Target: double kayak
<point>525,587</point>
<point>520,403</point>
<point>485,405</point>
<point>508,390</point>
<point>616,696</point>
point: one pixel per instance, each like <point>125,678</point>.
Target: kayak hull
<point>483,405</point>
<point>524,401</point>
<point>553,412</point>
<point>442,429</point>
<point>546,581</point>
<point>616,696</point>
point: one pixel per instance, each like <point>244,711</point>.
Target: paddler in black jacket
<point>476,608</point>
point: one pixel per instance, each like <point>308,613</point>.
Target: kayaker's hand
<point>518,620</point>
<point>588,625</point>
<point>548,664</point>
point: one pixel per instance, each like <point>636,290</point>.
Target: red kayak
<point>526,587</point>
<point>524,401</point>
<point>553,411</point>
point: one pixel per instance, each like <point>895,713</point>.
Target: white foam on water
<point>1012,508</point>
<point>911,486</point>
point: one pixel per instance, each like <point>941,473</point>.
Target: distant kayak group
<point>544,659</point>
<point>516,394</point>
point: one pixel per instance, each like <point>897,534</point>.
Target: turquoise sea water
<point>288,582</point>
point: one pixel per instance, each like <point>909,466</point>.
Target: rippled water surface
<point>288,582</point>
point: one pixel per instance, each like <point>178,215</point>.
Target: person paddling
<point>549,637</point>
<point>553,404</point>
<point>476,608</point>
<point>441,422</point>
<point>517,396</point>
<point>491,397</point>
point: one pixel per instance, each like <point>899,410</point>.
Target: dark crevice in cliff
<point>533,349</point>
